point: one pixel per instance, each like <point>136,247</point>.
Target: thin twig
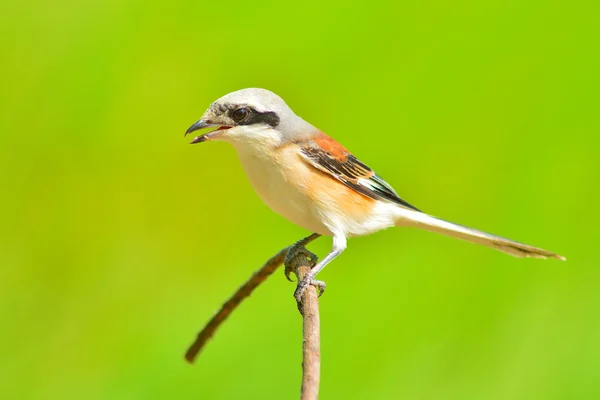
<point>298,262</point>
<point>244,291</point>
<point>311,328</point>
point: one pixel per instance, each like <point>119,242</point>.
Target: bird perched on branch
<point>313,181</point>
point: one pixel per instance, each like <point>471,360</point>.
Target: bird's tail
<point>427,222</point>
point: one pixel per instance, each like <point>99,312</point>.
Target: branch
<point>297,261</point>
<point>311,336</point>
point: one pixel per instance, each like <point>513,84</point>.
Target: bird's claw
<point>293,252</point>
<point>304,284</point>
<point>288,272</point>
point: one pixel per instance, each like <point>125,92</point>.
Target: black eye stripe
<point>255,117</point>
<point>267,118</point>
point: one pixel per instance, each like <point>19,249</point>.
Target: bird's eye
<point>239,114</point>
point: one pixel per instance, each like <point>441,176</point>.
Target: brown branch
<point>244,291</point>
<point>298,262</point>
<point>311,336</point>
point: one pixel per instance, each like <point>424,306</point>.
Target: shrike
<point>316,183</point>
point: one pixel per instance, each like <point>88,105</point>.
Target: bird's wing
<point>327,155</point>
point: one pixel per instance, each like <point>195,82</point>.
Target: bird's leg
<point>297,248</point>
<point>339,245</point>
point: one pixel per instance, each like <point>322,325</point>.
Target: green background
<point>118,240</point>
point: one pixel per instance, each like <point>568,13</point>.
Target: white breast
<point>280,187</point>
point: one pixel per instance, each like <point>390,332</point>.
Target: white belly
<point>281,189</point>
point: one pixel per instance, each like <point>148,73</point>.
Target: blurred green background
<point>118,240</point>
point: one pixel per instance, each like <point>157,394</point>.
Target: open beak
<point>201,125</point>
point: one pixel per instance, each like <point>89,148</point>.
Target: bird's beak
<point>201,125</point>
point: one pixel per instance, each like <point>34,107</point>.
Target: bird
<point>316,183</point>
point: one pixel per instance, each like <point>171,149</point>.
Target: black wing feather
<point>354,174</point>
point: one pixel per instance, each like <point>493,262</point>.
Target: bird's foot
<point>305,283</point>
<point>293,252</point>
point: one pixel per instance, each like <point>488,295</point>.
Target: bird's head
<point>250,116</point>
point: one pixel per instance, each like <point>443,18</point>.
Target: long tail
<point>427,222</point>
